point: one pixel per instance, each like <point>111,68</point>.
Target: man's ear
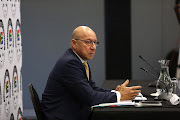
<point>73,44</point>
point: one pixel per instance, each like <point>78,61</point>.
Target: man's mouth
<point>91,53</point>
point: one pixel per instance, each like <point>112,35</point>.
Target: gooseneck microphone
<point>149,64</point>
<point>152,84</point>
<point>148,72</point>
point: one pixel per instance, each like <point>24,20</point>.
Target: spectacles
<point>89,42</point>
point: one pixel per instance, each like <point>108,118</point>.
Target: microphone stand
<point>152,84</point>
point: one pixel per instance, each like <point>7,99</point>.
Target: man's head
<point>84,42</point>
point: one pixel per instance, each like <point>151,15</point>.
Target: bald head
<point>81,32</point>
<point>82,37</point>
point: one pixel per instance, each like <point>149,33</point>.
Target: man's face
<point>85,50</point>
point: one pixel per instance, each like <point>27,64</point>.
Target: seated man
<point>70,91</point>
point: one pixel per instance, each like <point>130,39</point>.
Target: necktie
<point>87,69</point>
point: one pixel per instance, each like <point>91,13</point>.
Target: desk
<point>131,112</point>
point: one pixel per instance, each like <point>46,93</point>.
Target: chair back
<point>36,102</point>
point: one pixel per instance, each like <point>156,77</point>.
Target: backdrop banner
<point>10,61</point>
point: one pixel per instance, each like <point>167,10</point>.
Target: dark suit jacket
<point>69,94</point>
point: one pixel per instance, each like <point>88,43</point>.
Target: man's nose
<point>93,46</point>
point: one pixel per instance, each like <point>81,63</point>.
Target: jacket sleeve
<point>73,77</point>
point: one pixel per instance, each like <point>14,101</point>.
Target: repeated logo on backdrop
<point>2,44</point>
<point>7,93</point>
<point>10,41</point>
<point>10,61</point>
<point>18,44</point>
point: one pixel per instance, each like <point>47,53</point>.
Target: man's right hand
<point>129,93</point>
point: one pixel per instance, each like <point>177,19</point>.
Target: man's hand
<point>128,93</point>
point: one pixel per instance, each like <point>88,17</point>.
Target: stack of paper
<point>121,103</point>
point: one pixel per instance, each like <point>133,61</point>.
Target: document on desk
<point>139,97</point>
<point>121,103</point>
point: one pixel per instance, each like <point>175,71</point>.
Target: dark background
<point>118,39</point>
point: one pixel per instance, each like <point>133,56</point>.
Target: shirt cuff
<point>118,94</point>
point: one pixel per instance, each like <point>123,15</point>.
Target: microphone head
<point>143,69</point>
<point>141,57</point>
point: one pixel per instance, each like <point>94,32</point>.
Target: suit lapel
<point>84,71</point>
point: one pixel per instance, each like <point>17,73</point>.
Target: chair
<point>36,102</point>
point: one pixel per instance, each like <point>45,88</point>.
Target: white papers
<point>121,103</point>
<point>139,97</point>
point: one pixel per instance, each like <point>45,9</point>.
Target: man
<point>70,91</point>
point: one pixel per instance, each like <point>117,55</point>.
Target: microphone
<point>149,64</point>
<point>148,72</point>
<point>152,84</point>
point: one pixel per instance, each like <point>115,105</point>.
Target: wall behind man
<point>47,26</point>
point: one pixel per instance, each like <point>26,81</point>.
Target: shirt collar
<point>79,57</point>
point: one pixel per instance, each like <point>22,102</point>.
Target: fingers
<point>135,87</point>
<point>134,95</point>
<point>126,83</point>
<point>129,93</point>
<point>136,91</point>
